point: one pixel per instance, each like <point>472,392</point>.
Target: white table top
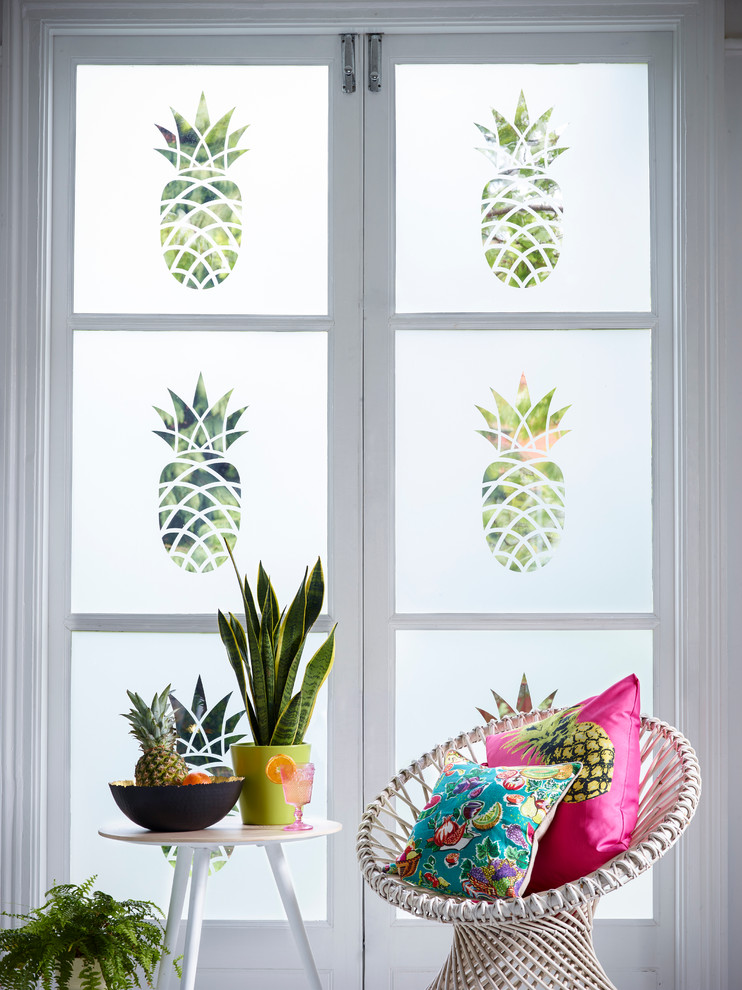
<point>227,832</point>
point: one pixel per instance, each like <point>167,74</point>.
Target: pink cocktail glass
<point>297,790</point>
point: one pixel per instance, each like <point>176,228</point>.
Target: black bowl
<point>175,808</point>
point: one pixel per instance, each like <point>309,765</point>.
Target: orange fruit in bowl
<point>275,764</point>
<point>197,777</point>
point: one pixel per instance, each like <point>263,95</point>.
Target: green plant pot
<point>261,801</point>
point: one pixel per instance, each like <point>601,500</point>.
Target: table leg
<point>285,886</point>
<point>199,876</point>
<point>183,859</point>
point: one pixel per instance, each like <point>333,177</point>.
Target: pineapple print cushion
<point>477,835</point>
<point>598,814</point>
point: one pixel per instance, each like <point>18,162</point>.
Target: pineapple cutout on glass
<point>204,737</point>
<point>522,205</point>
<point>205,734</point>
<point>523,705</point>
<point>200,488</point>
<point>201,209</point>
<point>523,488</point>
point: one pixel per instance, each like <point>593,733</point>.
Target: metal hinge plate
<point>348,59</point>
<point>374,63</point>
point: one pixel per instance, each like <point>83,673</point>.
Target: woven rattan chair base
<point>551,952</point>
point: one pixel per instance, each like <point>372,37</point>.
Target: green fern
<point>113,939</point>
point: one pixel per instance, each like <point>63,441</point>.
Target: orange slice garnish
<point>275,764</point>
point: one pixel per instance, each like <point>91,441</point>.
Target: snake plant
<point>266,652</point>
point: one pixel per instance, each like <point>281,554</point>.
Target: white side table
<point>194,850</point>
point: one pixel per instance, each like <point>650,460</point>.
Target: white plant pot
<point>76,979</point>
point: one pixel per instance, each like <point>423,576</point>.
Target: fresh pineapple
<point>200,489</point>
<point>522,206</point>
<point>154,729</point>
<point>523,490</point>
<point>201,210</point>
<point>560,738</point>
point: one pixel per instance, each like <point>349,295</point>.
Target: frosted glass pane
<point>577,664</point>
<point>551,509</point>
<point>209,213</point>
<point>559,206</point>
<point>104,666</point>
<point>159,479</point>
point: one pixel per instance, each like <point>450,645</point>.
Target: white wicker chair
<point>541,940</point>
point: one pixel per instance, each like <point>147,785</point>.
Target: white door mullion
<point>379,694</point>
<point>344,954</point>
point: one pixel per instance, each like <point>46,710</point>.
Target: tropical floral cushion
<point>598,815</point>
<point>477,836</point>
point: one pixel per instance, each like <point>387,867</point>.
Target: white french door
<point>206,285</point>
<point>465,306</point>
<point>359,319</point>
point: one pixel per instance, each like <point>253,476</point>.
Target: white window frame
<point>701,608</point>
<point>336,938</point>
<point>732,233</point>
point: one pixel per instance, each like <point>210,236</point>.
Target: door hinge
<point>348,60</point>
<point>374,62</point>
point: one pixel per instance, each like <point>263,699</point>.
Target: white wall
<point>732,325</point>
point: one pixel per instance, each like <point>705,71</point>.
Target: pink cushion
<point>597,815</point>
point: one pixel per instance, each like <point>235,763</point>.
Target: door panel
<point>104,666</point>
<point>523,471</point>
<point>517,505</point>
<point>262,443</point>
<point>206,383</point>
<point>508,177</point>
<point>230,195</point>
